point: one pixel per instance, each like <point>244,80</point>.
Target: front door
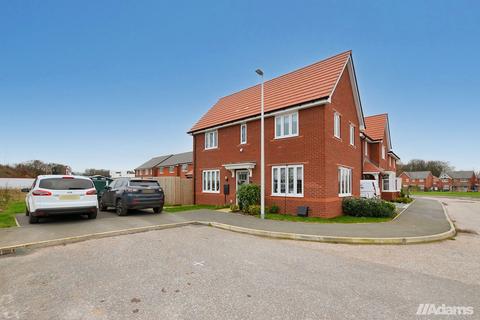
<point>242,178</point>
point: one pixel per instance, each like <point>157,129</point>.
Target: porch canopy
<point>370,168</point>
<point>240,166</point>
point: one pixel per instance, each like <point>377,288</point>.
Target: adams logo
<point>432,309</point>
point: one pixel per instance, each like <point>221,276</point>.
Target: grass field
<point>174,209</point>
<point>11,203</point>
<point>341,219</point>
<point>447,194</point>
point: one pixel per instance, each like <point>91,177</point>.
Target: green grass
<point>446,194</point>
<point>7,216</point>
<point>174,209</point>
<point>341,219</point>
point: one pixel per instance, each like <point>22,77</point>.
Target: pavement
<point>424,217</point>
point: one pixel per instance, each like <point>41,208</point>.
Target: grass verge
<point>447,194</point>
<point>341,219</point>
<point>174,209</point>
<point>7,216</point>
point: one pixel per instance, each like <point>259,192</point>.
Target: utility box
<point>302,211</point>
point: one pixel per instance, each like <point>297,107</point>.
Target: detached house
<point>177,165</point>
<point>422,180</point>
<point>463,181</point>
<point>379,160</point>
<point>313,147</point>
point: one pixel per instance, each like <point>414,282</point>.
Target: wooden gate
<point>177,190</point>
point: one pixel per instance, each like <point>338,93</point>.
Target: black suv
<point>131,193</point>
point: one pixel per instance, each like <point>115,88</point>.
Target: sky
<point>110,84</point>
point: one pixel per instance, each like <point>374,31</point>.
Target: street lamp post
<point>262,149</point>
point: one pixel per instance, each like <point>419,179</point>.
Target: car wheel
<point>157,209</point>
<point>121,208</point>
<point>32,219</point>
<point>103,207</point>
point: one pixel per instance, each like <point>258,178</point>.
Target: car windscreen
<point>143,183</point>
<point>65,184</point>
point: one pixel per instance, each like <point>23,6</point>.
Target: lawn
<point>341,219</point>
<point>446,194</point>
<point>7,216</point>
<point>173,209</point>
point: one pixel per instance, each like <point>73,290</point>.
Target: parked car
<point>131,193</point>
<point>52,195</point>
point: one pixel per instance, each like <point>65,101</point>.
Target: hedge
<point>248,194</point>
<point>359,207</point>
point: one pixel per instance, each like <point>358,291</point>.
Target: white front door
<point>243,176</point>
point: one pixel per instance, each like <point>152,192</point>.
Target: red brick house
<point>463,181</point>
<point>176,165</point>
<point>379,160</point>
<point>313,148</point>
<point>421,180</point>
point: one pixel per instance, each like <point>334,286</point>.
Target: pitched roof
<point>153,162</point>
<point>461,174</point>
<point>370,167</point>
<point>417,174</point>
<point>375,126</point>
<point>311,83</point>
<point>179,158</point>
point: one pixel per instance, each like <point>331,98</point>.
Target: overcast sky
<point>109,84</point>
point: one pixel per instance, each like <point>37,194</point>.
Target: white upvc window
<point>344,182</point>
<point>286,125</point>
<point>211,181</point>
<point>184,167</point>
<point>211,139</point>
<point>171,169</point>
<point>390,182</point>
<point>243,133</point>
<point>366,147</point>
<point>336,125</point>
<point>352,134</point>
<point>287,181</point>
<point>383,152</point>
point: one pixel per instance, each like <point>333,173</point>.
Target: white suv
<point>56,195</point>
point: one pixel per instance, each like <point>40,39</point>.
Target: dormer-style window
<point>336,125</point>
<point>211,139</point>
<point>286,125</point>
<point>243,133</point>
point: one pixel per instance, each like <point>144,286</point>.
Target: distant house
<point>422,180</point>
<point>177,165</point>
<point>463,181</point>
<point>122,174</point>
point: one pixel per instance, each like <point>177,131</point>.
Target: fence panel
<point>177,190</point>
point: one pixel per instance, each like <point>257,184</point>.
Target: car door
<point>107,197</point>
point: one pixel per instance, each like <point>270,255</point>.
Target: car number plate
<point>69,197</point>
<point>148,191</point>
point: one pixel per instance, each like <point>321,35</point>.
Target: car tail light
<point>91,192</point>
<point>41,192</point>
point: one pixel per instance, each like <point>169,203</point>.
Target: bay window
<point>211,181</point>
<point>287,181</point>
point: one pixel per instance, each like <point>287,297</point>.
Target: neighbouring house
<point>462,181</point>
<point>176,165</point>
<point>421,180</point>
<point>313,146</point>
<point>379,160</point>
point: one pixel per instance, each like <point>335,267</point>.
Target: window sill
<point>286,195</point>
<point>286,137</point>
<point>207,149</point>
<point>214,192</point>
<point>337,138</point>
<point>344,195</point>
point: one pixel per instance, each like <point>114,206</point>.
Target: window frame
<point>347,184</point>
<point>352,134</point>
<point>208,145</point>
<point>243,126</point>
<point>184,167</point>
<point>212,175</point>
<point>280,119</point>
<point>171,169</point>
<point>337,125</point>
<point>383,152</point>
<point>286,170</point>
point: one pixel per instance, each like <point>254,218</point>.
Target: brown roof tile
<point>307,84</point>
<point>375,126</point>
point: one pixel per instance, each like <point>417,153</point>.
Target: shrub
<point>359,207</point>
<point>248,194</point>
<point>253,209</point>
<point>273,209</point>
<point>403,200</point>
<point>234,208</point>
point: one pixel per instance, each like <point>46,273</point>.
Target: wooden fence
<point>177,190</point>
